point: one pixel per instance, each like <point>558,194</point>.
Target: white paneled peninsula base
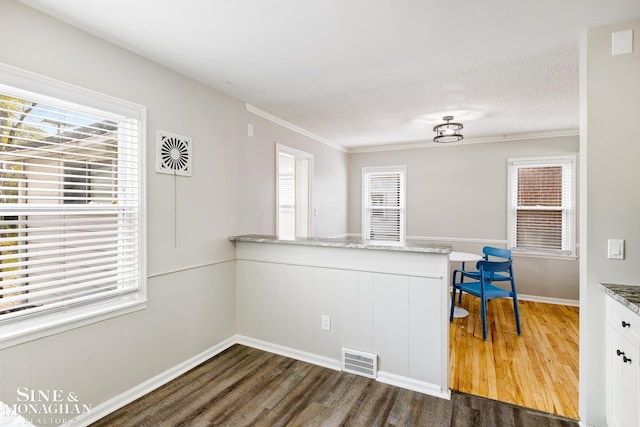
<point>387,300</point>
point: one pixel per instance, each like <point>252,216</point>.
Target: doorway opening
<point>294,196</point>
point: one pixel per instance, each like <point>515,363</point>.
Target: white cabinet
<point>623,363</point>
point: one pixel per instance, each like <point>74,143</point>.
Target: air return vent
<point>359,362</point>
<point>173,156</point>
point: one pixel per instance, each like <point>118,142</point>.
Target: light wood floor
<point>537,370</point>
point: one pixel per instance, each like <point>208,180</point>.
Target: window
<point>383,203</point>
<point>71,192</point>
<point>542,205</point>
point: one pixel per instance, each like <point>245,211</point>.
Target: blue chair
<point>482,287</point>
<point>489,253</point>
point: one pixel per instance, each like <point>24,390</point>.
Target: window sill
<point>23,331</point>
<point>543,255</point>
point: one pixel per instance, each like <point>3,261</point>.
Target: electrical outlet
<point>325,322</point>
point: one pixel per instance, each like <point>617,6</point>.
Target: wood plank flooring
<point>243,386</point>
<point>537,370</point>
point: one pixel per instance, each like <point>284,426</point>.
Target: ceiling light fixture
<point>447,132</point>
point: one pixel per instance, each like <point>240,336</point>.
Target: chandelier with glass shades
<point>448,131</point>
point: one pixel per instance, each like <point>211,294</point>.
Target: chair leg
<point>517,313</point>
<point>483,314</point>
<point>453,303</point>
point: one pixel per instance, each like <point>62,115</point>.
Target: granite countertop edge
<point>410,245</point>
<point>627,295</point>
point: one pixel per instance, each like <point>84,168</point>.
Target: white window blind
<point>70,200</point>
<point>542,205</point>
<point>287,196</point>
<point>383,204</point>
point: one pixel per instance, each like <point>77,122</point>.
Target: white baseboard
<point>335,364</point>
<point>148,386</point>
<point>547,300</point>
<point>293,353</point>
<point>414,385</point>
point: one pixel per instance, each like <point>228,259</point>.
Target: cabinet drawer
<point>624,321</point>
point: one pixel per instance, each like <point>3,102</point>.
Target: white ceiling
<point>370,72</point>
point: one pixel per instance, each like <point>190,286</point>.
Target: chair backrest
<point>493,266</point>
<point>490,251</point>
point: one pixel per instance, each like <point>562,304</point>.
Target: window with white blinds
<point>70,207</point>
<point>542,205</point>
<point>383,204</point>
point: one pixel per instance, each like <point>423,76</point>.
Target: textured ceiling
<point>369,72</point>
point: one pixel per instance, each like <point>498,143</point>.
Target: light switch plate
<point>615,249</point>
<point>622,42</point>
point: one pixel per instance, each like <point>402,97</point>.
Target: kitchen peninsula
<point>308,298</point>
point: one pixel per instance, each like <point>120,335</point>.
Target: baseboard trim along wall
<point>413,385</point>
<point>292,353</point>
<point>150,385</point>
<point>546,300</point>
<point>335,364</point>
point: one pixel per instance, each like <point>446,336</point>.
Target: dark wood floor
<point>243,386</point>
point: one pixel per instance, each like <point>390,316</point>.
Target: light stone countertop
<point>410,245</point>
<point>627,295</point>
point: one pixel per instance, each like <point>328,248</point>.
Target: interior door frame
<point>299,156</point>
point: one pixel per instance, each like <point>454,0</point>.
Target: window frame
<point>569,225</point>
<point>366,210</point>
<point>24,84</point>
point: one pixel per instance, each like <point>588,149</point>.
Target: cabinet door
<point>622,373</point>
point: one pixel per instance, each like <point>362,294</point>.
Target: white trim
<point>409,145</point>
<point>336,365</point>
<point>569,225</point>
<point>150,385</point>
<point>496,138</point>
<point>292,353</point>
<point>413,385</point>
<point>367,173</point>
<point>26,330</point>
<point>547,300</point>
<point>19,79</point>
<point>23,83</point>
<point>544,255</point>
<point>277,120</point>
<point>460,240</point>
<point>123,399</point>
<point>434,239</point>
<point>192,267</point>
<point>586,359</point>
<point>297,155</point>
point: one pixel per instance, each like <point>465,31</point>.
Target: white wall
<point>100,361</point>
<point>458,193</point>
<point>257,179</point>
<point>611,138</point>
<point>390,303</point>
<point>191,285</point>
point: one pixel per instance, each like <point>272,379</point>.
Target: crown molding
<point>277,120</point>
<point>410,145</point>
<point>496,138</point>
